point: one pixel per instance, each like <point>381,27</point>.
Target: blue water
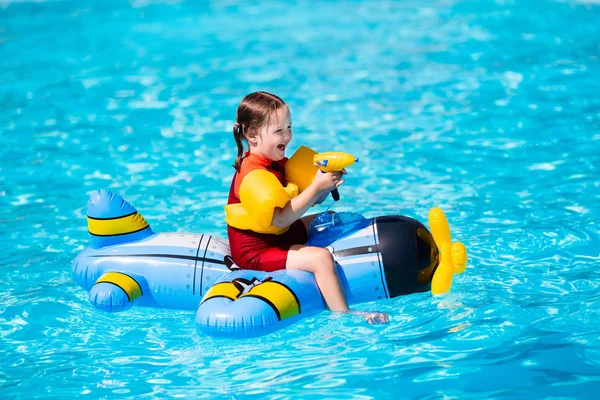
<point>489,110</point>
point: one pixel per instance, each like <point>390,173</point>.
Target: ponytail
<point>238,135</point>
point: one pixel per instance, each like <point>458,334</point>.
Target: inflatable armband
<point>260,193</point>
<point>300,168</point>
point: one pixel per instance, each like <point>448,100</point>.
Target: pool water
<point>489,110</point>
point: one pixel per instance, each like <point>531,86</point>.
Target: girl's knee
<point>324,253</point>
<point>311,259</point>
<point>323,258</point>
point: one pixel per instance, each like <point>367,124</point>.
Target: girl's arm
<point>323,182</point>
<point>283,217</point>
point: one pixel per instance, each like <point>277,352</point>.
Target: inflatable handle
<point>334,161</point>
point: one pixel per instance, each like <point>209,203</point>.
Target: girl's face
<point>272,139</point>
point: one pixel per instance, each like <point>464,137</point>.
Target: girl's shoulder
<point>250,163</point>
<point>254,161</point>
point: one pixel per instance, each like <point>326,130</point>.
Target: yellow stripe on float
<point>117,226</point>
<point>224,289</point>
<point>125,282</point>
<point>278,296</point>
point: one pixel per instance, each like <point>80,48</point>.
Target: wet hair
<point>252,114</point>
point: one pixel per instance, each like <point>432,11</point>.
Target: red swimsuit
<point>261,251</point>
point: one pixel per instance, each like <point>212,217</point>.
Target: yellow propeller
<point>453,256</point>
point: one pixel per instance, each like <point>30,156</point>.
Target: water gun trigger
<point>334,161</point>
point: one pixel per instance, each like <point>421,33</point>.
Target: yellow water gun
<point>334,161</point>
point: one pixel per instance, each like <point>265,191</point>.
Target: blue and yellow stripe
<point>123,225</point>
<point>125,282</point>
<point>278,296</point>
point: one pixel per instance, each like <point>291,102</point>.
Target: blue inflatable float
<point>127,264</point>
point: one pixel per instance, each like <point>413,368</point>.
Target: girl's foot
<point>373,318</point>
<point>377,318</point>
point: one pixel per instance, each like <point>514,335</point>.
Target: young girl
<point>264,122</point>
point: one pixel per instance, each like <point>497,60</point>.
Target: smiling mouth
<point>281,147</point>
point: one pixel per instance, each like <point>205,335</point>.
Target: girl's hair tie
<point>237,124</point>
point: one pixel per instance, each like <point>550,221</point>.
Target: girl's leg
<point>320,263</point>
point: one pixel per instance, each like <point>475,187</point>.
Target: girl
<point>263,121</point>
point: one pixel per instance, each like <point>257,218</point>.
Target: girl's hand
<point>327,181</point>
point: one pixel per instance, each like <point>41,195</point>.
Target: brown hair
<point>252,114</point>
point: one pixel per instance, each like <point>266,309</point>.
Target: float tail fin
<point>112,220</point>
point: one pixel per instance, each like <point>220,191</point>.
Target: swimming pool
<point>489,110</point>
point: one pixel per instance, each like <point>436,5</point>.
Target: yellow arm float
<point>453,257</point>
<point>260,193</point>
<point>300,168</point>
